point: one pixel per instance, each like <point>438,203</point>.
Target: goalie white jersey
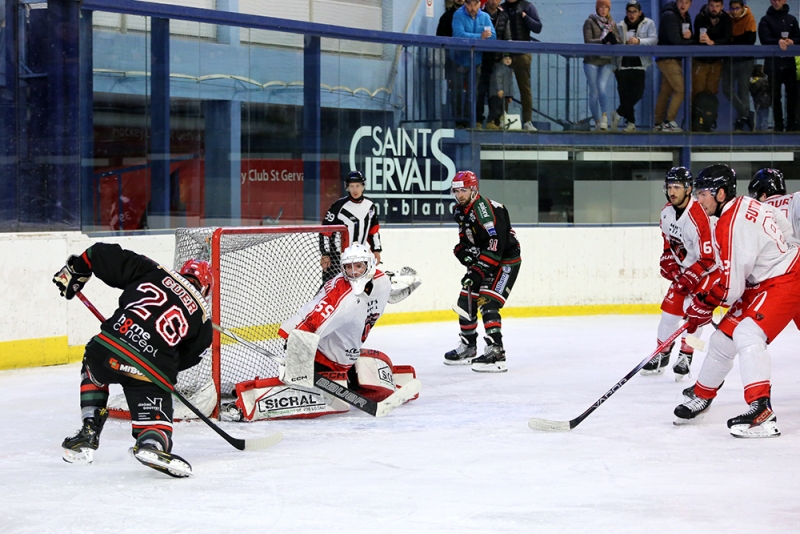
<point>751,247</point>
<point>341,318</point>
<point>688,236</point>
<point>789,206</point>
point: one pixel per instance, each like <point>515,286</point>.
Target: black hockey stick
<point>241,444</point>
<point>548,425</point>
<point>375,408</point>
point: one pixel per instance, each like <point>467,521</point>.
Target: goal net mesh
<point>266,274</point>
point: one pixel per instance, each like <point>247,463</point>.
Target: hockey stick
<point>548,425</point>
<point>465,314</point>
<point>376,408</point>
<point>298,365</point>
<point>241,444</point>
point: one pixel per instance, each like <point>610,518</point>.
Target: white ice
<point>459,459</point>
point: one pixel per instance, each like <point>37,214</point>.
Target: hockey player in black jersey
<point>360,215</point>
<point>489,250</point>
<point>162,326</point>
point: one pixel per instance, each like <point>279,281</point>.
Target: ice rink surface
<point>461,458</point>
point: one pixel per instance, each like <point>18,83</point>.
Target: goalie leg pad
<point>269,398</point>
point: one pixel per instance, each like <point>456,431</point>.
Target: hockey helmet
<point>200,274</point>
<point>677,175</point>
<point>767,181</point>
<point>355,177</point>
<point>358,266</point>
<point>465,180</point>
<point>716,177</point>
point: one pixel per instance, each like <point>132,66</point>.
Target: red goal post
<point>263,275</point>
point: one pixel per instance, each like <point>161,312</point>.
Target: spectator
<point>778,27</point>
<point>503,32</point>
<point>523,19</point>
<point>469,22</point>
<point>635,29</point>
<point>712,26</point>
<point>673,30</point>
<point>445,29</point>
<point>500,90</point>
<point>762,97</point>
<point>600,28</point>
<point>736,71</point>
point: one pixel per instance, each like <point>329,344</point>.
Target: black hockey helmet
<point>767,181</point>
<point>355,177</point>
<point>716,177</point>
<point>677,175</point>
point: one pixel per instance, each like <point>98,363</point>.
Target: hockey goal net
<point>263,275</point>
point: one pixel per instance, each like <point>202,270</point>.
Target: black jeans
<point>781,73</point>
<point>630,86</point>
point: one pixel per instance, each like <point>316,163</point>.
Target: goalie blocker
<point>372,376</point>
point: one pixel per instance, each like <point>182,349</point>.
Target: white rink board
<point>560,267</point>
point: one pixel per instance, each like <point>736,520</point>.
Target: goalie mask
<point>358,266</point>
<point>200,274</point>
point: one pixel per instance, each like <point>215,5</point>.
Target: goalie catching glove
<point>72,277</point>
<point>403,284</point>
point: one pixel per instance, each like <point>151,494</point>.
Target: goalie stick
<point>375,408</point>
<point>548,425</point>
<point>241,444</point>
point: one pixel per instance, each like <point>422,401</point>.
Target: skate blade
<point>489,368</point>
<point>171,465</point>
<point>764,430</point>
<point>680,378</point>
<point>81,456</point>
<point>653,372</point>
<point>680,421</point>
<point>465,361</point>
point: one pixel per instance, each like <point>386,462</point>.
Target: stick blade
<point>696,343</point>
<point>461,312</point>
<point>398,397</point>
<point>546,425</point>
<point>263,443</point>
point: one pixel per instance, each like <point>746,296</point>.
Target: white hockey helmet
<point>358,266</point>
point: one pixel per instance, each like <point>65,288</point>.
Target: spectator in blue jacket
<point>469,22</point>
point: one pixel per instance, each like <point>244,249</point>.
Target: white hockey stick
<point>696,343</point>
<point>298,366</point>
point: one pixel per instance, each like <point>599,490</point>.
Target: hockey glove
<point>68,280</point>
<point>466,255</point>
<point>473,278</point>
<point>669,267</point>
<point>688,280</point>
<point>698,314</point>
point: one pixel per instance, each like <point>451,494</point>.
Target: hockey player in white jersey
<point>688,256</point>
<point>342,314</point>
<point>769,187</point>
<point>758,276</point>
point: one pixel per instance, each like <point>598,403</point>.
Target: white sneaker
<point>528,126</point>
<point>671,126</point>
<point>630,127</point>
<point>615,118</point>
<point>603,124</point>
<point>659,127</point>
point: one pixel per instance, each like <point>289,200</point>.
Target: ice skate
<point>657,365</point>
<point>682,367</point>
<point>692,407</point>
<point>493,359</point>
<point>169,464</point>
<point>463,354</point>
<point>80,447</point>
<point>758,422</point>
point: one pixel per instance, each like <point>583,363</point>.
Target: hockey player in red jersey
<point>162,326</point>
<point>687,258</point>
<point>758,276</point>
<point>360,215</point>
<point>769,187</point>
<point>488,248</point>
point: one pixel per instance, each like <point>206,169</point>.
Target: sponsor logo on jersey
<point>124,368</point>
<point>134,335</point>
<point>490,228</point>
<point>483,212</point>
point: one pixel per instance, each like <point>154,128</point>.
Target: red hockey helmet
<point>201,272</point>
<point>466,180</point>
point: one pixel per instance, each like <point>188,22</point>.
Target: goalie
<point>342,314</point>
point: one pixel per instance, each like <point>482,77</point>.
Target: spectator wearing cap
<point>736,71</point>
<point>778,27</point>
<point>635,29</point>
<point>712,27</point>
<point>674,29</point>
<point>600,29</point>
<point>470,22</point>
